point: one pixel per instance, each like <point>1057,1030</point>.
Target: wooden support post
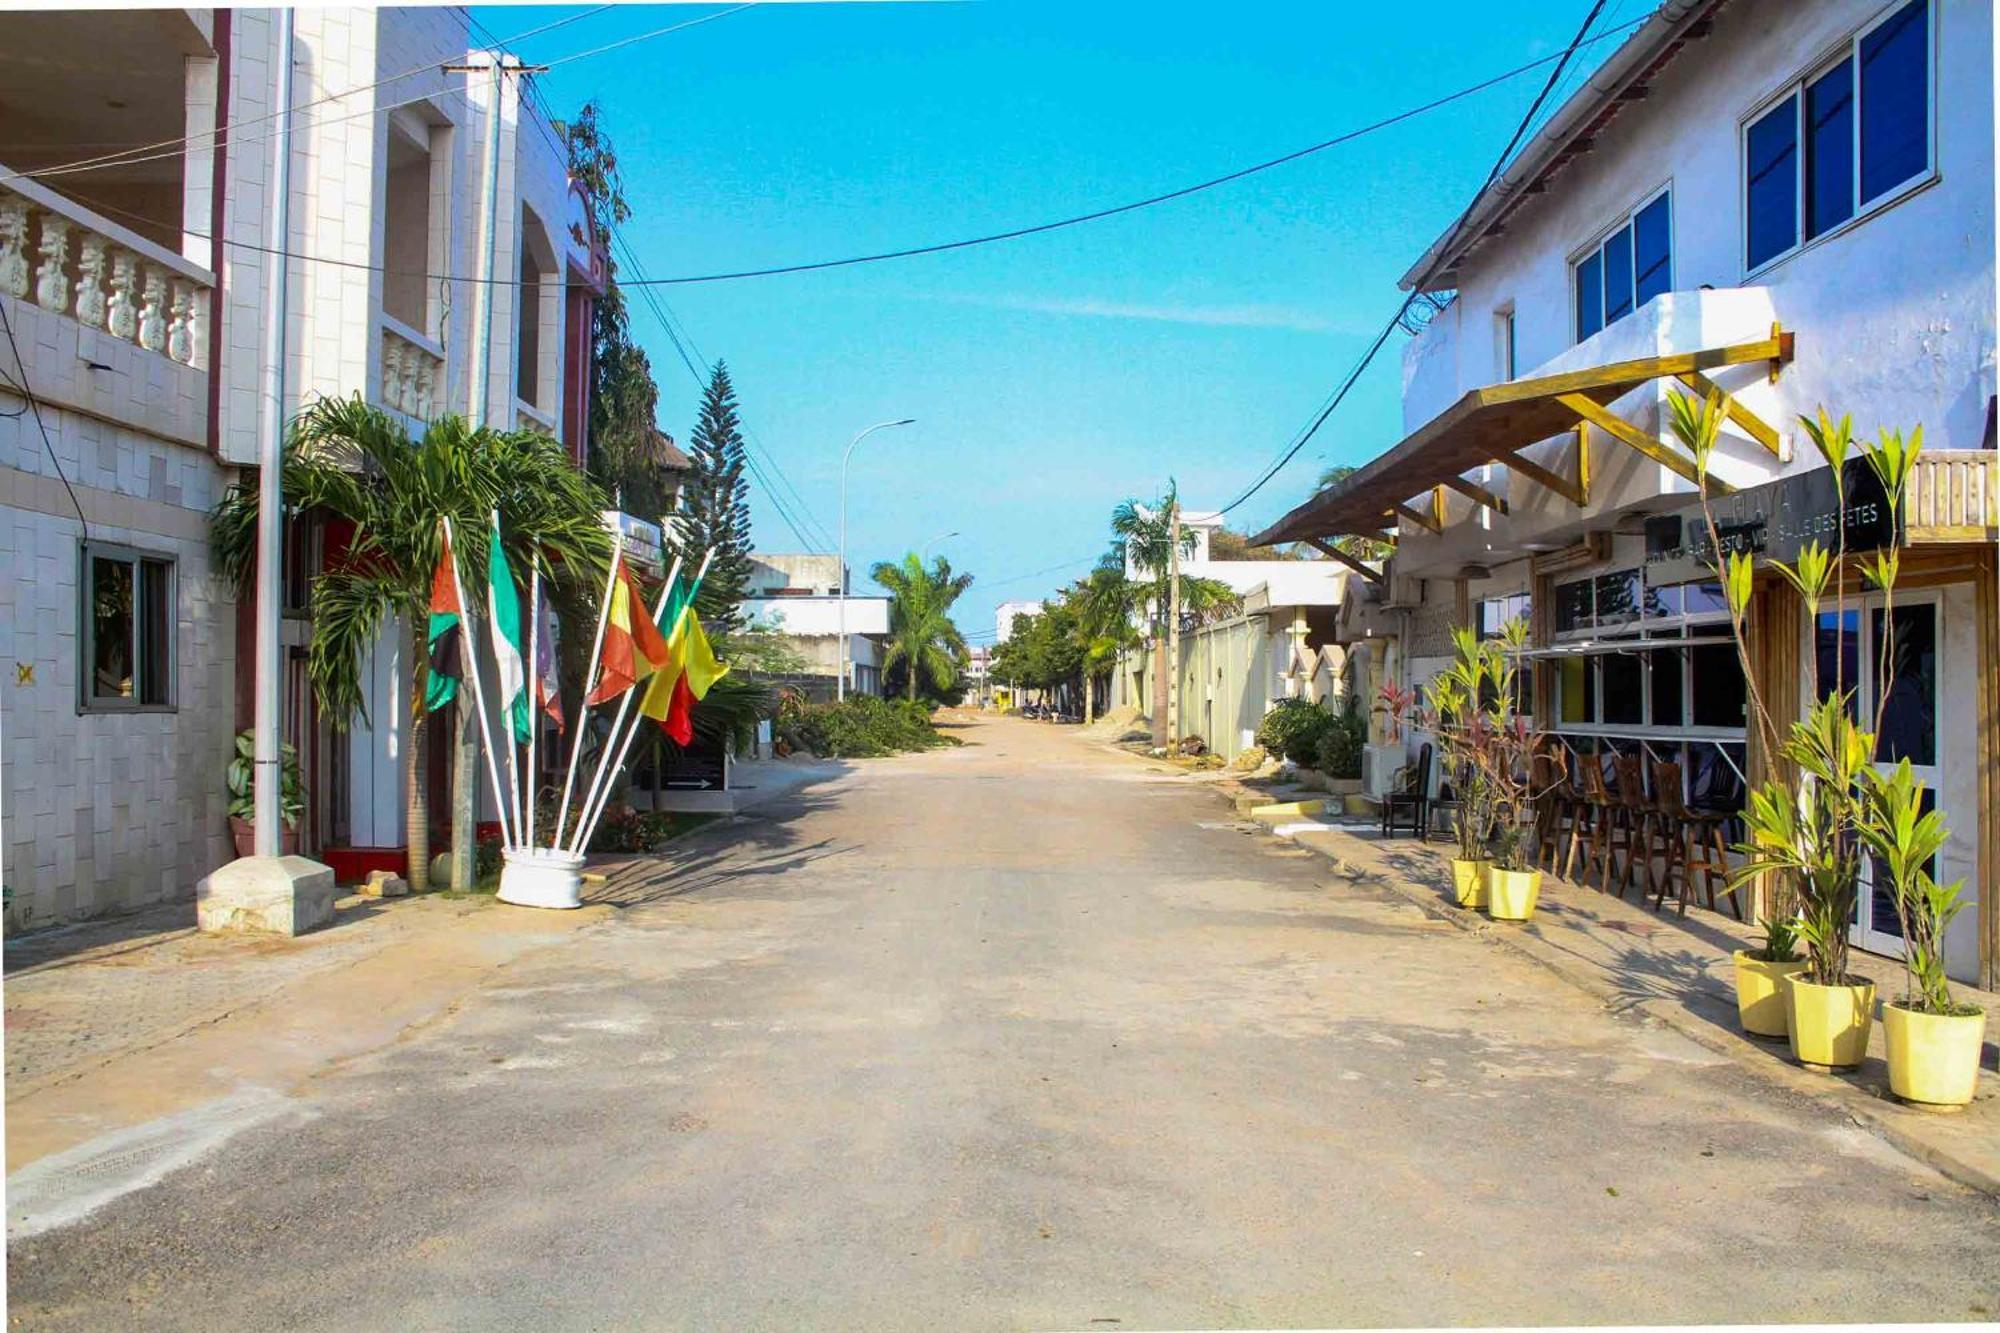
<point>1572,491</point>
<point>1588,410</point>
<point>1476,493</point>
<point>1415,518</point>
<point>1753,425</point>
<point>1333,552</point>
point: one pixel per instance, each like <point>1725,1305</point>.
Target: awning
<point>1493,424</point>
<point>1601,647</point>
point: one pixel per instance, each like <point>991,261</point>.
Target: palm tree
<point>921,634</point>
<point>353,461</point>
<point>1105,603</point>
<point>1361,548</point>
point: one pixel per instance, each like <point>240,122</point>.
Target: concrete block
<point>286,895</point>
<point>384,884</point>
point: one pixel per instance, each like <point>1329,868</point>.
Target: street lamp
<point>840,681</point>
<point>941,537</point>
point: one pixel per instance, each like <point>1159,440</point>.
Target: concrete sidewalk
<point>1664,967</point>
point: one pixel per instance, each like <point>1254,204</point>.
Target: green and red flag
<point>503,608</point>
<point>633,646</point>
<point>446,636</point>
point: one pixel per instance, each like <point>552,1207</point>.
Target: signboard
<point>1774,521</point>
<point>701,767</point>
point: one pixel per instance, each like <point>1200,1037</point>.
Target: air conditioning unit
<point>1403,590</point>
<point>1379,766</point>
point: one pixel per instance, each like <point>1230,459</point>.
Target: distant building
<point>798,596</point>
<point>1007,613</point>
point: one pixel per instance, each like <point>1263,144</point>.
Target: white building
<point>1007,613</point>
<point>798,596</point>
<point>136,291</point>
<point>1794,202</point>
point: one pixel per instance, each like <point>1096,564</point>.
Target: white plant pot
<point>541,877</point>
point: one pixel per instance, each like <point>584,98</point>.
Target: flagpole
<point>597,780</point>
<point>605,797</point>
<point>589,683</point>
<point>534,691</point>
<point>478,694</point>
<point>506,728</point>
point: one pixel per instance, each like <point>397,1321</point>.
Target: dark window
<point>1617,596</point>
<point>1589,295</point>
<point>1837,664</point>
<point>1618,275</point>
<point>1651,251</point>
<point>1666,686</point>
<point>1700,598</point>
<point>1713,781</point>
<point>128,630</point>
<point>1719,686</point>
<point>1908,725</point>
<point>1624,688</point>
<point>1573,606</point>
<point>1771,182</point>
<point>1895,100</point>
<point>1830,149</point>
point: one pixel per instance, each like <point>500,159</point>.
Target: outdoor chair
<point>1587,832</point>
<point>1558,804</point>
<point>1413,800</point>
<point>1626,832</point>
<point>1694,844</point>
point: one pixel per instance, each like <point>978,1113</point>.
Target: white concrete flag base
<point>287,895</point>
<point>541,877</point>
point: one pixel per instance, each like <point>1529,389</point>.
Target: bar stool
<point>1558,804</point>
<point>1593,812</point>
<point>1625,834</point>
<point>1694,844</point>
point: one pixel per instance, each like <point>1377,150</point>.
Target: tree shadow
<point>750,846</point>
<point>100,939</point>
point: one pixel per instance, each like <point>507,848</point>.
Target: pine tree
<point>715,508</point>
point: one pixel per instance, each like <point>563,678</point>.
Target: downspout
<point>270,466</point>
<point>218,220</point>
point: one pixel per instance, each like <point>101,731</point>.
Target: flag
<point>696,671</point>
<point>633,647</point>
<point>658,700</point>
<point>548,688</point>
<point>503,610</point>
<point>446,636</point>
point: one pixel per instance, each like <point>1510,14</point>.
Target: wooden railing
<point>1954,496</point>
<point>74,262</point>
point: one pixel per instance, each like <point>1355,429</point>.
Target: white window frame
<point>87,700</point>
<point>1664,189</point>
<point>1847,49</point>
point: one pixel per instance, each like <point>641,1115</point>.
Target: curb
<point>1746,1056</point>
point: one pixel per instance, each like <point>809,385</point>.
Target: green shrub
<point>626,830</point>
<point>1286,721</point>
<point>1340,744</point>
<point>861,727</point>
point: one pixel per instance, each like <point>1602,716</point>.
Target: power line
<point>124,156</point>
<point>35,405</point>
<point>1499,164</point>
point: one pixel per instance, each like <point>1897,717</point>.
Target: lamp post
<point>941,537</point>
<point>840,680</point>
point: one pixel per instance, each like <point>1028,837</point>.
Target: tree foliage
<point>922,638</point>
<point>715,508</point>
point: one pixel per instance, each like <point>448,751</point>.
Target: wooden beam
<point>1592,412</point>
<point>1541,476</point>
<point>1335,553</point>
<point>1414,518</point>
<point>1753,425</point>
<point>1476,493</point>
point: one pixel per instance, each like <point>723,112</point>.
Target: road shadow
<point>100,939</point>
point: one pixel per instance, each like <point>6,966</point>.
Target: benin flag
<point>633,647</point>
<point>658,700</point>
<point>446,637</point>
<point>697,672</point>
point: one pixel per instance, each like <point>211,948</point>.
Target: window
<point>1509,364</point>
<point>128,617</point>
<point>1848,135</point>
<point>1626,269</point>
<point>1495,612</point>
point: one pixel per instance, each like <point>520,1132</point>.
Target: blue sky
<point>1055,375</point>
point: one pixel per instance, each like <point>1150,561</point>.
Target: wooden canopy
<point>1493,424</point>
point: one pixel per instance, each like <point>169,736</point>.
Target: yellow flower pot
<point>1511,894</point>
<point>1760,994</point>
<point>1829,1024</point>
<point>1933,1058</point>
<point>1468,881</point>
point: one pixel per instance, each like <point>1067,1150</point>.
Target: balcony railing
<point>75,263</point>
<point>1954,496</point>
<point>533,418</point>
<point>412,371</point>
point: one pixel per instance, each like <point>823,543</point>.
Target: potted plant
<point>1760,978</point>
<point>1808,828</point>
<point>243,796</point>
<point>1933,1039</point>
<point>1451,713</point>
<point>1506,758</point>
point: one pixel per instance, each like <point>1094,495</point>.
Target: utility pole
<point>1174,627</point>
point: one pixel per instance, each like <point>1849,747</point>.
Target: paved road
<point>1023,1034</point>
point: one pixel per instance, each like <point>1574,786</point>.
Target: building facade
<point>434,260</point>
<point>797,596</point>
<point>1793,204</point>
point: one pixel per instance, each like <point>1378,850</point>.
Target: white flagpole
<point>597,779</point>
<point>465,620</point>
<point>506,729</point>
<point>592,817</point>
<point>589,683</point>
<point>534,692</point>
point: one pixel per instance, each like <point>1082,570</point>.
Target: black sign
<point>700,767</point>
<point>1774,521</point>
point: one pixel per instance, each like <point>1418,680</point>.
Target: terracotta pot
<point>1760,994</point>
<point>243,833</point>
<point>1511,894</point>
<point>1933,1058</point>
<point>1829,1024</point>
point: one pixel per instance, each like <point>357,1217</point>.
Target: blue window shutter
<point>1895,100</point>
<point>1618,274</point>
<point>1771,182</point>
<point>1830,149</point>
<point>1652,250</point>
<point>1589,295</point>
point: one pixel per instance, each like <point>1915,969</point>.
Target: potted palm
<point>1808,829</point>
<point>1932,1038</point>
<point>1451,713</point>
<point>1507,761</point>
<point>1760,978</point>
<point>242,778</point>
